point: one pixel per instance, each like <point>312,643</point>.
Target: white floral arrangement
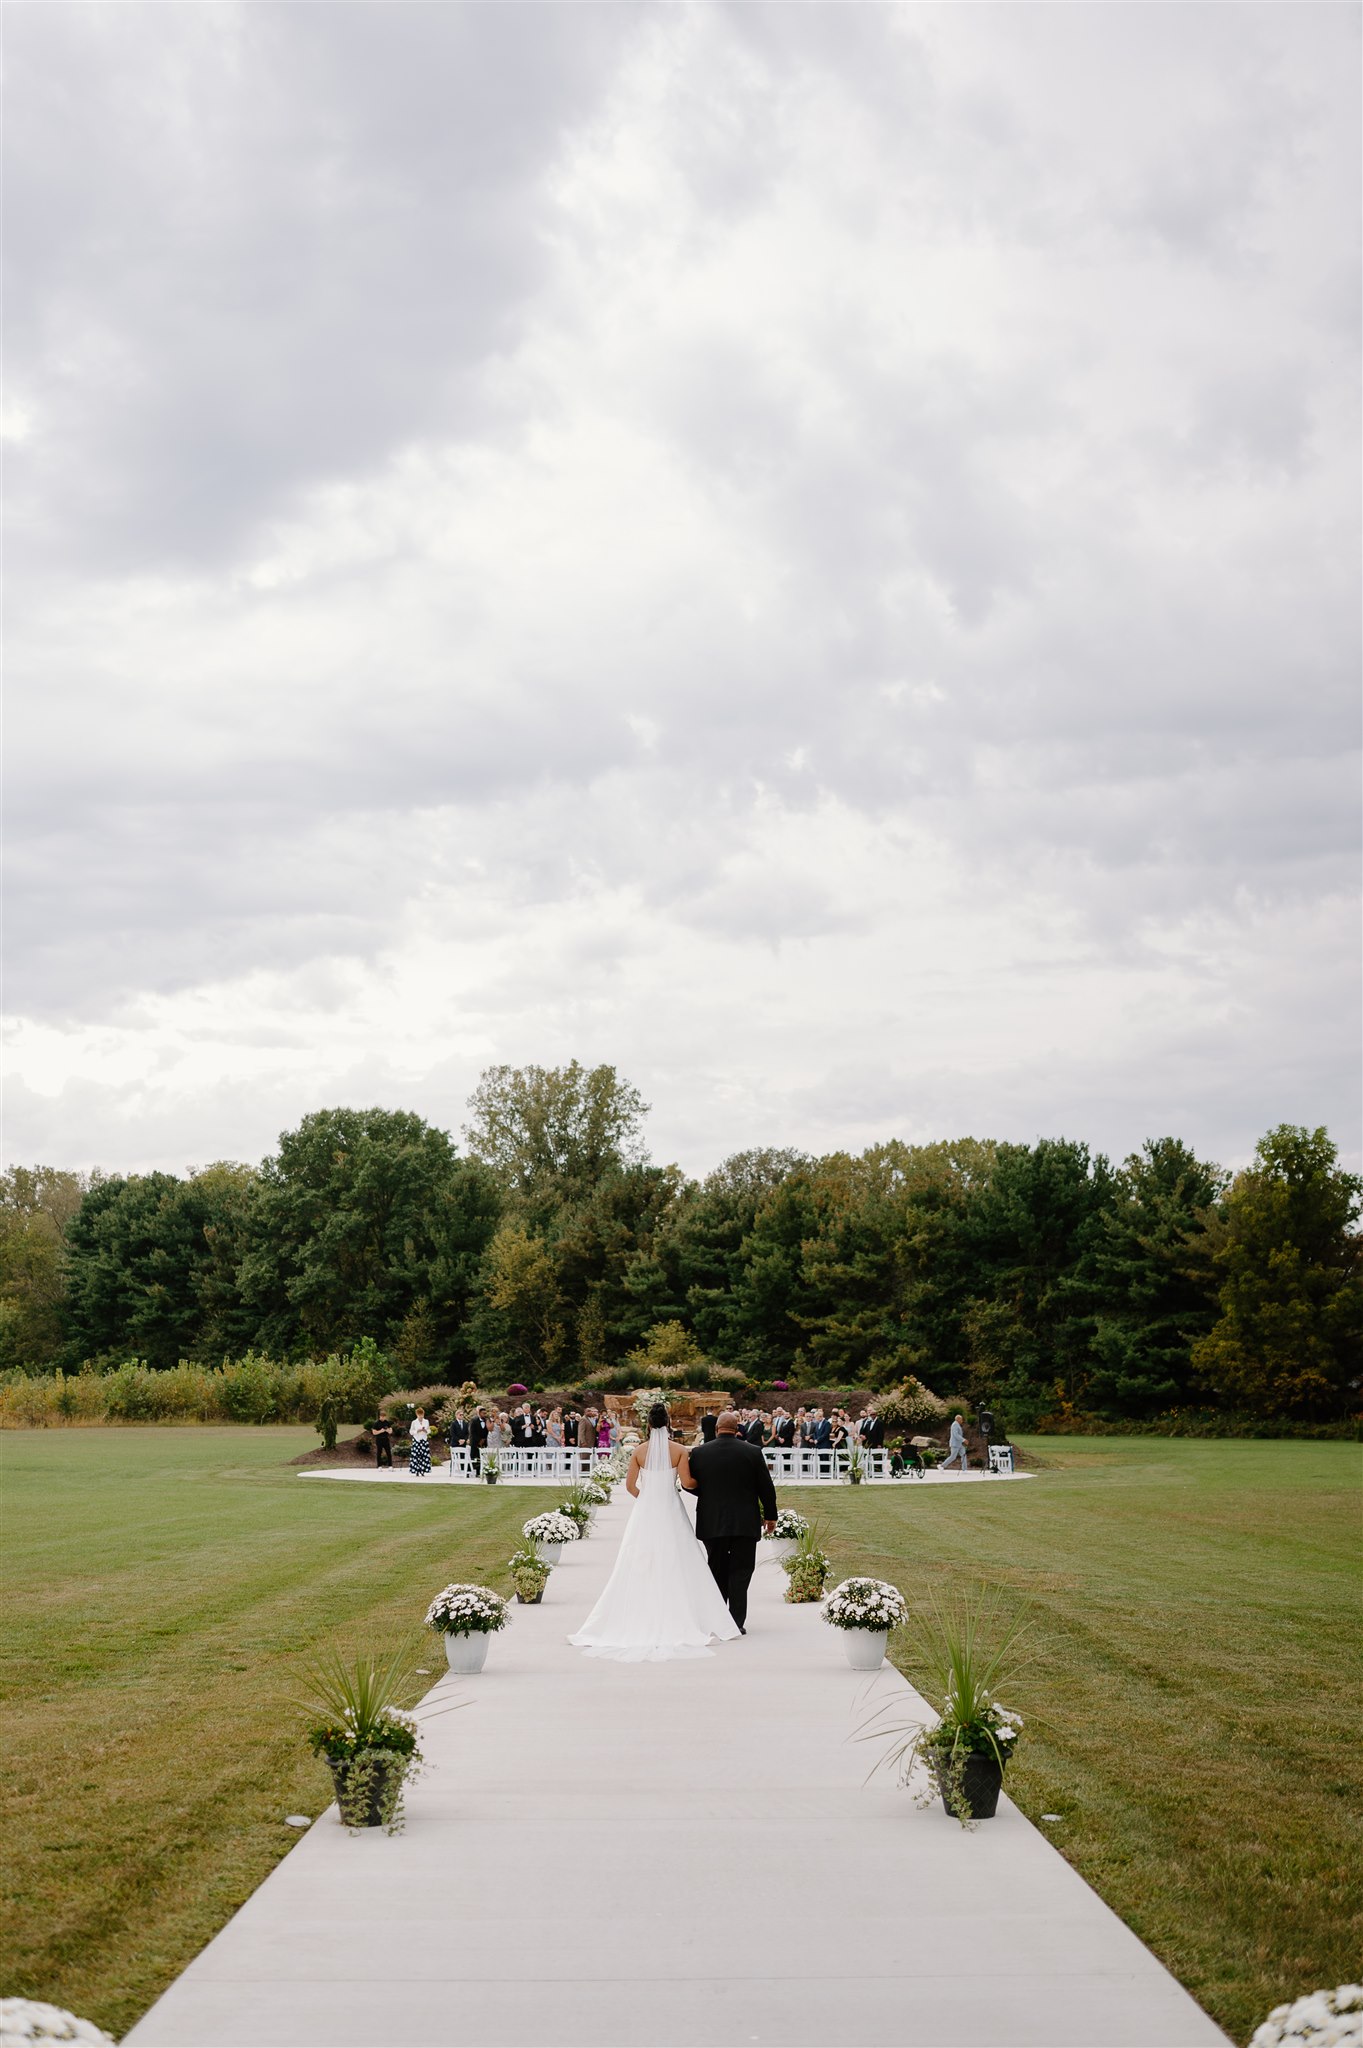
<point>865,1603</point>
<point>467,1611</point>
<point>790,1527</point>
<point>550,1528</point>
<point>1324,2019</point>
<point>26,2019</point>
<point>598,1489</point>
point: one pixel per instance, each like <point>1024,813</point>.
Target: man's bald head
<point>728,1424</point>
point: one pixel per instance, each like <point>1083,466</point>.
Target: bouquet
<point>865,1603</point>
<point>466,1611</point>
<point>550,1528</point>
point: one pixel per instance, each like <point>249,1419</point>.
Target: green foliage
<point>143,1263</point>
<point>369,1743</point>
<point>366,1222</point>
<point>807,1567</point>
<point>550,1134</point>
<point>1289,1264</point>
<point>37,1204</point>
<point>671,1356</point>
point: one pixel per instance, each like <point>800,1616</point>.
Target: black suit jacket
<point>873,1433</point>
<point>477,1433</point>
<point>785,1432</point>
<point>823,1434</point>
<point>734,1490</point>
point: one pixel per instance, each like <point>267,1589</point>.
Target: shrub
<point>911,1405</point>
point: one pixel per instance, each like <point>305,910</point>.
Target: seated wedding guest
<point>586,1431</point>
<point>419,1457</point>
<point>382,1433</point>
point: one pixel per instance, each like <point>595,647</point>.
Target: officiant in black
<point>735,1499</point>
<point>477,1438</point>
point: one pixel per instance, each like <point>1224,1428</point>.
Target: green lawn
<point>1194,1685</point>
<point>162,1587</point>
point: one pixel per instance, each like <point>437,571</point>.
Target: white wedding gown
<point>660,1601</point>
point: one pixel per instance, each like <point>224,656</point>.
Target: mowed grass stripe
<point>1193,1686</point>
<point>163,1589</point>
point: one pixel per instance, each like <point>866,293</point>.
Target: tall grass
<point>249,1389</point>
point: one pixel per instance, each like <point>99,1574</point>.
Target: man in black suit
<point>756,1430</point>
<point>735,1502</point>
<point>520,1427</point>
<point>872,1431</point>
<point>477,1438</point>
<point>784,1433</point>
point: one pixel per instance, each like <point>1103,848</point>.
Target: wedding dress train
<point>660,1601</point>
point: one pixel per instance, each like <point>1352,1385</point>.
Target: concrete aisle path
<point>670,1856</point>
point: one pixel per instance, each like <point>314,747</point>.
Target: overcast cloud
<point>808,552</point>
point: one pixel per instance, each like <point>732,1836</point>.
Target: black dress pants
<point>733,1560</point>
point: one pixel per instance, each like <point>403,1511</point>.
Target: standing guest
<point>873,1431</point>
<point>586,1430</point>
<point>382,1433</point>
<point>499,1431</point>
<point>802,1427</point>
<point>571,1419</point>
<point>707,1428</point>
<point>419,1457</point>
<point>785,1429</point>
<point>956,1446</point>
<point>756,1431</point>
<point>456,1431</point>
<point>477,1437</point>
<point>839,1433</point>
<point>553,1430</point>
<point>604,1436</point>
<point>520,1425</point>
<point>537,1435</point>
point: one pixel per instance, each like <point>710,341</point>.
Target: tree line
<point>552,1250</point>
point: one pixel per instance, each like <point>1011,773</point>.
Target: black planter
<point>981,1783</point>
<point>383,1778</point>
<point>491,1478</point>
<point>531,1599</point>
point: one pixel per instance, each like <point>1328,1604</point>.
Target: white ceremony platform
<point>670,1856</point>
<point>561,1468</point>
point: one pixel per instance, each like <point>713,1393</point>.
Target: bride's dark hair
<point>658,1417</point>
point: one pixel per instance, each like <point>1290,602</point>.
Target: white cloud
<point>818,565</point>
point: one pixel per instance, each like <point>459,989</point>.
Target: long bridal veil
<point>660,1601</point>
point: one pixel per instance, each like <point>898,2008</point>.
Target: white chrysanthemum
<point>23,2020</point>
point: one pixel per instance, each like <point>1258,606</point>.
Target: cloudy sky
<point>808,552</point>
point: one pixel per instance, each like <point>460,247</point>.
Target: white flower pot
<point>551,1552</point>
<point>778,1546</point>
<point>865,1647</point>
<point>467,1653</point>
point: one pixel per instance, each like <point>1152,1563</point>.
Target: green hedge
<point>250,1389</point>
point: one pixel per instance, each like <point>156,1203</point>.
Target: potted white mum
<point>466,1616</point>
<point>1323,2019</point>
<point>551,1531</point>
<point>28,2019</point>
<point>790,1527</point>
<point>865,1610</point>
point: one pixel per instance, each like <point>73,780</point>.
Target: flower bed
<point>466,1611</point>
<point>865,1603</point>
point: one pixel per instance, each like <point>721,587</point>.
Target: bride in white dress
<point>661,1600</point>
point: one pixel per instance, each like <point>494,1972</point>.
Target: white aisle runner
<point>670,1856</point>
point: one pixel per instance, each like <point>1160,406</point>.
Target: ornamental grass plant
<point>369,1743</point>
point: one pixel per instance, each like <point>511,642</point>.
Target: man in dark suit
<point>520,1427</point>
<point>756,1430</point>
<point>872,1431</point>
<point>735,1502</point>
<point>784,1433</point>
<point>477,1438</point>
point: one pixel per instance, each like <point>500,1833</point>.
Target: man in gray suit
<point>956,1446</point>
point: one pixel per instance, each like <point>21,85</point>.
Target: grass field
<point>1193,1701</point>
<point>1193,1689</point>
